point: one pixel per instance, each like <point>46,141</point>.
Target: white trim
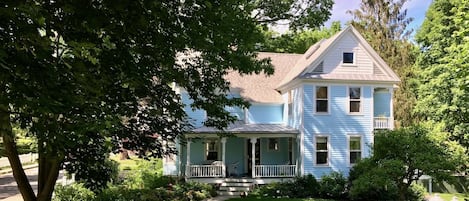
<point>349,151</point>
<point>354,60</point>
<point>328,138</point>
<point>328,100</point>
<point>361,100</point>
<point>300,141</point>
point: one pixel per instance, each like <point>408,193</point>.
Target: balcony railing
<point>383,123</point>
<point>206,171</point>
<point>275,170</point>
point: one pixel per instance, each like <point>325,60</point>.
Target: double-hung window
<point>212,150</point>
<point>355,99</point>
<point>355,149</point>
<point>273,144</point>
<point>322,150</point>
<point>322,104</point>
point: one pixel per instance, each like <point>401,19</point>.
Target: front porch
<point>262,155</point>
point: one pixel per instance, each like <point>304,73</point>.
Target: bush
<point>148,175</point>
<point>301,187</point>
<point>75,191</point>
<point>333,186</point>
<point>416,192</point>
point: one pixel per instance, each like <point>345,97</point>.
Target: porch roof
<point>241,127</point>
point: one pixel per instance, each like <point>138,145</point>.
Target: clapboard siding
<point>294,120</point>
<point>333,59</point>
<point>265,114</point>
<point>337,125</point>
<point>196,117</point>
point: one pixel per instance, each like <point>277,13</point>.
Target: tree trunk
<point>10,147</point>
<point>124,154</point>
<point>48,173</point>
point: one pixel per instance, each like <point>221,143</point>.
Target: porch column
<point>253,157</point>
<point>188,157</point>
<point>223,157</point>
<point>391,113</point>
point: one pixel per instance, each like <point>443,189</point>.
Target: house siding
<point>265,114</point>
<point>337,125</point>
<point>294,120</point>
<point>333,60</point>
<point>196,117</point>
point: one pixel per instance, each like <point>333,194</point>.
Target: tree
<point>296,42</point>
<point>399,158</point>
<point>443,68</point>
<point>83,75</point>
<point>384,25</point>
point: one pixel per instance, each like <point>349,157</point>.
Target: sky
<point>415,9</point>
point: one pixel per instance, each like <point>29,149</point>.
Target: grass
<point>128,164</point>
<point>449,196</point>
<point>279,199</point>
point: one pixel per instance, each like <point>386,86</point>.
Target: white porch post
<point>391,113</point>
<point>188,157</point>
<point>223,149</point>
<point>253,157</point>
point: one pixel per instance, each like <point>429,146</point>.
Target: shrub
<point>194,191</point>
<point>75,191</point>
<point>333,186</point>
<point>148,175</point>
<point>305,186</point>
<point>416,192</point>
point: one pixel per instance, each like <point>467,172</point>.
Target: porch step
<point>235,186</point>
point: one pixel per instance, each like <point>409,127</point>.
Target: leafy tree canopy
<point>296,42</point>
<point>444,68</point>
<point>81,75</point>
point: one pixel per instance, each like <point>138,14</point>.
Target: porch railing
<point>275,170</point>
<point>383,123</point>
<point>206,171</point>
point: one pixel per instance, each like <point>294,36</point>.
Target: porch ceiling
<point>242,128</point>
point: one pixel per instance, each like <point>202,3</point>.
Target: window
<point>322,150</point>
<point>273,144</point>
<point>355,148</point>
<point>321,99</point>
<point>347,58</point>
<point>355,99</point>
<point>212,150</point>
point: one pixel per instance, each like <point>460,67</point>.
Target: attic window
<point>347,58</point>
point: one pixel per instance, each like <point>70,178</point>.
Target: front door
<point>257,155</point>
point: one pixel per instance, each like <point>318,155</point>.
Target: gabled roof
<point>261,88</point>
<point>305,66</point>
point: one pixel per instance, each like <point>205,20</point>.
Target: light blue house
<point>315,115</point>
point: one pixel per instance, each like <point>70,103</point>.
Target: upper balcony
<point>383,123</point>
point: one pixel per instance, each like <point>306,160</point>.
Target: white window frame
<point>278,144</point>
<point>217,148</point>
<point>316,151</point>
<point>349,151</point>
<point>354,59</point>
<point>328,99</point>
<point>349,100</point>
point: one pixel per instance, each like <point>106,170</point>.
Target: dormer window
<point>348,58</point>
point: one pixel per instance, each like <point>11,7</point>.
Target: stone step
<point>235,188</point>
<point>224,193</point>
<point>237,184</point>
<point>238,180</point>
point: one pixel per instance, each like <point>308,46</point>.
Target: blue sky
<point>415,9</point>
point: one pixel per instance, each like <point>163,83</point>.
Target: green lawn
<point>128,164</point>
<point>449,196</point>
<point>280,199</point>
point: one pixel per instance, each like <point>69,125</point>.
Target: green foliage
<point>296,42</point>
<point>399,158</point>
<point>443,68</point>
<point>147,175</point>
<point>333,186</point>
<point>75,192</point>
<point>301,187</point>
<point>417,192</point>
